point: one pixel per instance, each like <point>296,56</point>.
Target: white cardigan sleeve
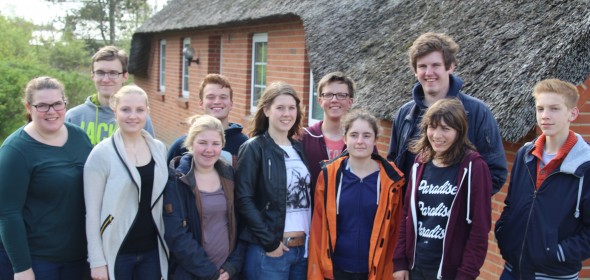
<point>96,171</point>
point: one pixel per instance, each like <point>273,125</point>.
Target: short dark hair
<point>337,77</point>
<point>434,42</point>
<point>111,53</point>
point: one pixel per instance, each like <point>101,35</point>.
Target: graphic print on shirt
<point>297,190</point>
<point>436,190</point>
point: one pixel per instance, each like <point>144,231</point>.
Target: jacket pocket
<point>106,223</point>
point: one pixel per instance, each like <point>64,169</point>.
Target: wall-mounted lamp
<point>189,54</point>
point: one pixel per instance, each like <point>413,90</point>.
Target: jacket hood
<point>184,164</point>
<point>92,102</point>
<point>576,162</point>
<point>315,130</point>
<point>455,85</point>
<point>232,129</point>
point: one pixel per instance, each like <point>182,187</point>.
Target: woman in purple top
<point>201,224</point>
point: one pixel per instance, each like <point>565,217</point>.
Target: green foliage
<point>115,20</point>
<point>66,60</point>
<point>15,34</point>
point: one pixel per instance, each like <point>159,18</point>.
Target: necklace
<point>132,150</point>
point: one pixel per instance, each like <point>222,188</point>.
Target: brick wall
<point>287,61</point>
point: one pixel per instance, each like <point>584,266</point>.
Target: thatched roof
<point>506,46</point>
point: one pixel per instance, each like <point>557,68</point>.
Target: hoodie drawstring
<point>467,218</point>
<point>580,185</point>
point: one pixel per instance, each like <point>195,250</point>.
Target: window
<point>316,113</point>
<point>259,49</point>
<point>162,65</point>
<point>186,42</point>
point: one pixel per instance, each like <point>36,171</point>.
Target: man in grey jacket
<point>95,116</point>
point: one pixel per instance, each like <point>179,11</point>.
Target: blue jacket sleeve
<point>176,149</point>
<point>576,248</point>
<point>149,127</point>
<point>187,251</point>
<point>488,142</point>
<point>393,140</point>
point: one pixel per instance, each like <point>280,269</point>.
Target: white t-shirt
<point>298,217</point>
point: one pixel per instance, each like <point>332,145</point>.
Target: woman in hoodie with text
<point>447,209</point>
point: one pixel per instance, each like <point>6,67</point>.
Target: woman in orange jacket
<point>357,209</point>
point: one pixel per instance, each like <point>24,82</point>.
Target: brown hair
<point>200,124</point>
<point>360,114</point>
<point>337,77</point>
<point>218,80</point>
<point>452,112</point>
<point>434,42</point>
<point>41,83</point>
<point>568,90</point>
<point>110,53</point>
<point>260,122</point>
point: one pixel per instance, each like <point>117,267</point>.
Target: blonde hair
<point>126,90</point>
<point>568,90</point>
<point>200,123</point>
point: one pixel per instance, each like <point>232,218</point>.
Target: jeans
<point>291,265</point>
<point>423,274</point>
<point>138,266</point>
<point>45,270</point>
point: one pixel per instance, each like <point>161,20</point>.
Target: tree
<point>110,18</point>
<point>68,61</point>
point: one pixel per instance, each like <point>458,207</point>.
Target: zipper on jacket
<point>526,229</point>
<point>269,173</point>
<point>106,223</point>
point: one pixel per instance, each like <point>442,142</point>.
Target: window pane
<point>316,111</point>
<point>260,76</point>
<point>260,54</point>
<point>257,93</point>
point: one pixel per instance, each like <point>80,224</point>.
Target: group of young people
<point>90,193</point>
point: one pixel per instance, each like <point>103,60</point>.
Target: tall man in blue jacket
<point>216,99</point>
<point>432,57</point>
<point>544,230</point>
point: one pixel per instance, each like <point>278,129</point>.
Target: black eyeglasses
<point>113,75</point>
<point>57,106</point>
<point>339,95</point>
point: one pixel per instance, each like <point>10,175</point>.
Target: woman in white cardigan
<point>124,178</point>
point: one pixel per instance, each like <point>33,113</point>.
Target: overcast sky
<point>41,11</point>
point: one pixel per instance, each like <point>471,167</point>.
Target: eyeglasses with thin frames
<point>339,95</point>
<point>43,108</point>
<point>113,75</point>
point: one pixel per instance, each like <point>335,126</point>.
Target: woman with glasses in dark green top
<point>41,192</point>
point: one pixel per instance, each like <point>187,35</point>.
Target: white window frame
<point>186,42</point>
<point>162,65</point>
<point>256,38</point>
<point>313,98</point>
